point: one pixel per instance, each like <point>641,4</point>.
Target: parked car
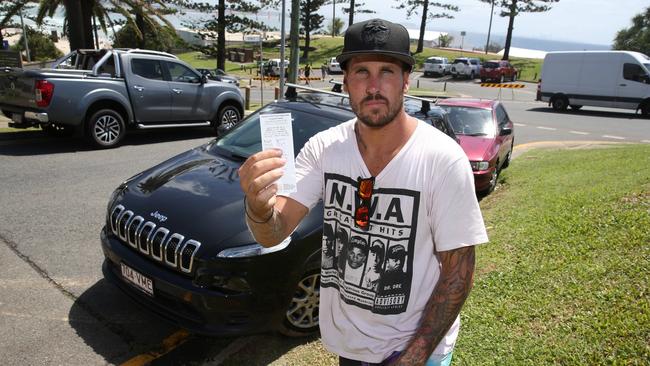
<point>614,79</point>
<point>102,93</point>
<point>436,66</point>
<point>467,67</point>
<point>486,134</point>
<point>333,66</point>
<point>498,70</point>
<point>175,238</point>
<point>219,75</point>
<point>272,67</point>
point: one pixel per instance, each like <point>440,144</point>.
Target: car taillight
<point>43,90</point>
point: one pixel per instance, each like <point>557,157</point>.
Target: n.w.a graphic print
<point>372,268</point>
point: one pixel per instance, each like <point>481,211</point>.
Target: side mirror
<point>204,79</point>
<point>505,131</point>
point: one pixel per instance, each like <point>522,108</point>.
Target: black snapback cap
<point>376,37</point>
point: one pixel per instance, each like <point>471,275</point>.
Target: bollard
<point>418,84</point>
<point>277,93</point>
<point>444,87</point>
<point>247,93</point>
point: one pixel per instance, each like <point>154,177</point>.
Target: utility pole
<point>333,15</point>
<point>29,58</point>
<point>282,35</point>
<point>487,44</point>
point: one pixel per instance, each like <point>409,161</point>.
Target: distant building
<point>430,37</point>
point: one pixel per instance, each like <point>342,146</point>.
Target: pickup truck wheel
<point>228,118</point>
<point>106,128</point>
<point>301,318</point>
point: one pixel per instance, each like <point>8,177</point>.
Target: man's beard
<point>368,120</point>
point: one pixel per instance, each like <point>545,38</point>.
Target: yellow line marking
<point>168,344</point>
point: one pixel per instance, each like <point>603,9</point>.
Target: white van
<point>615,79</point>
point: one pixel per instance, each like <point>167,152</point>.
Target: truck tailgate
<point>17,88</point>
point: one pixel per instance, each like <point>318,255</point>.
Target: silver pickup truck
<point>102,93</point>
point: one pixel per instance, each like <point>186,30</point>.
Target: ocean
<point>477,40</point>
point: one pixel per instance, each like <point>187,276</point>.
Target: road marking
<point>546,128</point>
<point>579,132</point>
<point>168,344</point>
<point>614,137</point>
<point>520,124</point>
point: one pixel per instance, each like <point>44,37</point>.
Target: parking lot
<point>55,306</point>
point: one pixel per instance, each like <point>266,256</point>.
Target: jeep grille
<point>154,241</point>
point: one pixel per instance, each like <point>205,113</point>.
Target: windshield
<point>470,121</point>
<point>460,61</point>
<point>433,61</point>
<point>245,140</point>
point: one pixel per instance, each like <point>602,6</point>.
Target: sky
<point>584,21</point>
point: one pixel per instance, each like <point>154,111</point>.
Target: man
<point>357,255</point>
<point>373,273</point>
<point>382,175</point>
<point>329,252</point>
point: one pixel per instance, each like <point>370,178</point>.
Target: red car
<point>486,135</point>
<point>498,70</point>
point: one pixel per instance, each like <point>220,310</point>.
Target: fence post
<point>247,93</point>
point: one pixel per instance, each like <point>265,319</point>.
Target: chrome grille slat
<point>156,242</point>
<point>114,218</point>
<point>123,223</point>
<point>156,245</point>
<point>172,246</point>
<point>143,236</point>
<point>187,255</point>
<point>132,230</point>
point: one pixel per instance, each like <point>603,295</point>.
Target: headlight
<point>479,165</point>
<point>252,250</point>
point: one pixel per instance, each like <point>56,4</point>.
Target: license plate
<point>140,281</point>
<point>17,117</point>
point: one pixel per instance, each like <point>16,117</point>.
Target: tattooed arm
<point>456,276</point>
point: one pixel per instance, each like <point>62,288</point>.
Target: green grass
<point>326,47</point>
<point>565,279</point>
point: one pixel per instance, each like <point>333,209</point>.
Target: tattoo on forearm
<point>444,305</point>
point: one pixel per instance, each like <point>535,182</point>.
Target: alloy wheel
<point>107,129</point>
<point>303,311</point>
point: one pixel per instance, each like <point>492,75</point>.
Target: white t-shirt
<point>423,200</point>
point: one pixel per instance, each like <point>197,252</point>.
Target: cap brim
<point>344,57</point>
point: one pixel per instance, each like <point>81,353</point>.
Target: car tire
<point>105,128</point>
<point>494,178</point>
<point>514,77</point>
<point>483,80</point>
<point>501,79</point>
<point>559,103</point>
<point>506,163</point>
<point>645,109</point>
<point>575,107</point>
<point>227,118</point>
<point>472,76</point>
<point>301,318</point>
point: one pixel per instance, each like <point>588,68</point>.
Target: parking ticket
<point>277,133</point>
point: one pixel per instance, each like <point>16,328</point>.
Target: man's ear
<point>345,84</point>
<point>406,82</point>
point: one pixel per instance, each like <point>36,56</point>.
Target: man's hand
<point>256,177</point>
<point>456,278</point>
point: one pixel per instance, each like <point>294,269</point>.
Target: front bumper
<point>200,310</point>
<point>482,179</point>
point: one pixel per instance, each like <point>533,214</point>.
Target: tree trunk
<point>294,41</point>
<point>305,52</point>
<point>221,36</point>
<point>139,22</point>
<point>511,22</point>
<point>423,25</point>
<point>87,23</point>
<point>351,17</point>
<point>75,26</point>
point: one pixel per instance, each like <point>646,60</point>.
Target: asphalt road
<point>55,307</point>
